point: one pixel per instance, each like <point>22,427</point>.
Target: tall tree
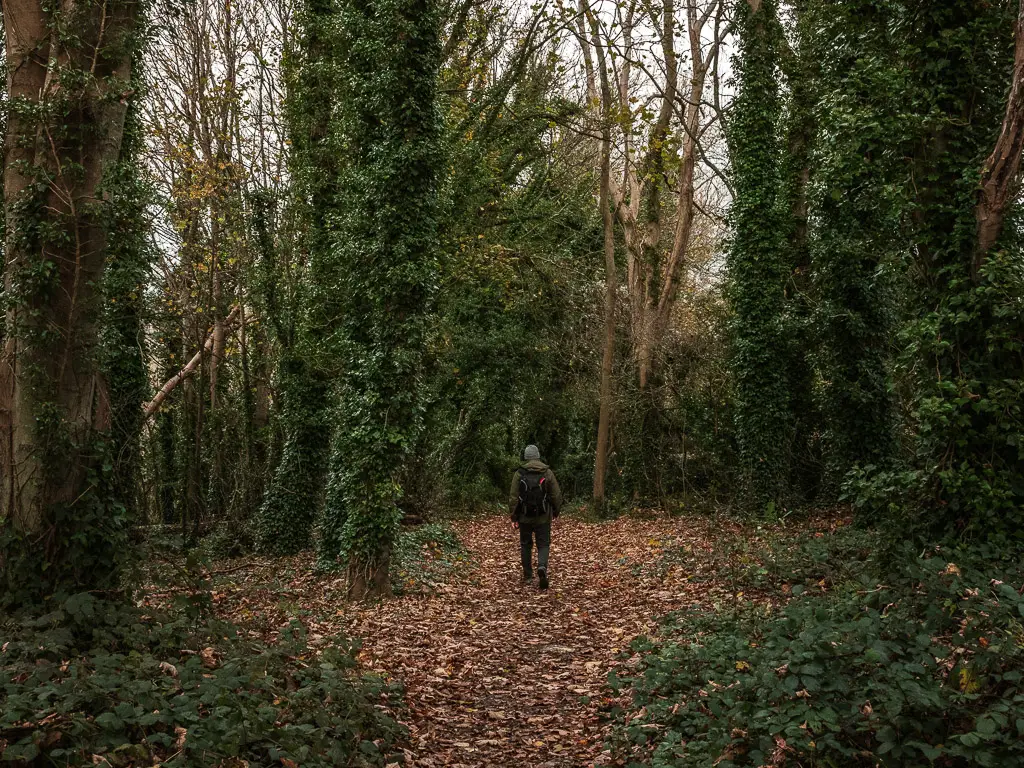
<point>924,122</point>
<point>69,83</point>
<point>967,325</point>
<point>304,307</point>
<point>854,239</point>
<point>758,262</point>
<point>603,100</point>
<point>660,140</point>
<point>385,270</point>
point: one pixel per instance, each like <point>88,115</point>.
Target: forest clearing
<point>529,383</point>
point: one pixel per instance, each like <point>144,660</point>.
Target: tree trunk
<point>369,580</point>
<point>607,217</point>
<point>54,405</point>
<point>1000,175</point>
<point>192,365</point>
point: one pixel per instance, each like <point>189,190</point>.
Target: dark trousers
<point>527,533</point>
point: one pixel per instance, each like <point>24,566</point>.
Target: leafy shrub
<point>94,682</point>
<point>782,560</point>
<point>825,559</point>
<point>966,476</point>
<point>923,668</point>
<point>424,556</point>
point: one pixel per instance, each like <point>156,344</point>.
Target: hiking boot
<point>543,576</point>
<point>527,577</point>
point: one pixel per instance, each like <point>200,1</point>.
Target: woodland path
<point>500,674</point>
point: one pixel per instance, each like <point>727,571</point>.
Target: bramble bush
<point>93,681</point>
<point>919,664</point>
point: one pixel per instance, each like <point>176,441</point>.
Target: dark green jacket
<point>550,482</point>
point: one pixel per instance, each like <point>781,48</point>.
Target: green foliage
<point>962,361</point>
<point>800,66</point>
<point>129,257</point>
<point>677,437</point>
<point>424,556</point>
<point>778,559</point>
<point>91,548</point>
<point>759,264</point>
<point>302,309</point>
<point>854,238</point>
<point>383,268</point>
<point>965,475</point>
<point>511,350</point>
<point>96,680</point>
<point>285,520</point>
<point>920,665</point>
<point>75,205</point>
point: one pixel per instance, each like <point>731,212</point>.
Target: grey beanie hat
<point>531,452</point>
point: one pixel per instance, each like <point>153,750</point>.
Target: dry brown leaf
<point>495,672</point>
<point>209,657</point>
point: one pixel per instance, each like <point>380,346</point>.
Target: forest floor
<point>495,672</point>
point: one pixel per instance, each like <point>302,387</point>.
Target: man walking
<point>534,500</point>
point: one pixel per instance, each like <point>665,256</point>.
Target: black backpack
<point>533,496</point>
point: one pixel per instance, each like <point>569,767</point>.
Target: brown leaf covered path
<point>500,674</point>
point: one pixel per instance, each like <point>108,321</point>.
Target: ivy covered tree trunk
<point>924,111</point>
<point>303,321</point>
<point>69,83</point>
<point>800,67</point>
<point>284,524</point>
<point>386,271</point>
<point>123,334</point>
<point>758,264</point>
<point>854,248</point>
<point>967,332</point>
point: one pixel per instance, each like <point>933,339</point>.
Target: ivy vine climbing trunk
<point>386,252</point>
<point>758,267</point>
<point>123,335</point>
<point>935,162</point>
<point>285,522</point>
<point>800,66</point>
<point>69,82</point>
<point>853,248</point>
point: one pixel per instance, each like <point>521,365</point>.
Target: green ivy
<point>123,337</point>
<point>759,264</point>
<point>383,269</point>
<point>73,251</point>
<point>950,67</point>
<point>916,664</point>
<point>302,310</point>
<point>856,220</point>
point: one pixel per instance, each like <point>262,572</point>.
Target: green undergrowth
<point>97,682</point>
<point>776,560</point>
<point>914,664</point>
<point>425,557</point>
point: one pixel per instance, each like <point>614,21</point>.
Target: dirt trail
<point>500,674</point>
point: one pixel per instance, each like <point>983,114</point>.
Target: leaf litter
<point>495,671</point>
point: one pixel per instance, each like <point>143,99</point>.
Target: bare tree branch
<point>190,368</point>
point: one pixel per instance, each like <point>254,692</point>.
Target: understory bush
<point>424,556</point>
<point>94,682</point>
<point>921,665</point>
